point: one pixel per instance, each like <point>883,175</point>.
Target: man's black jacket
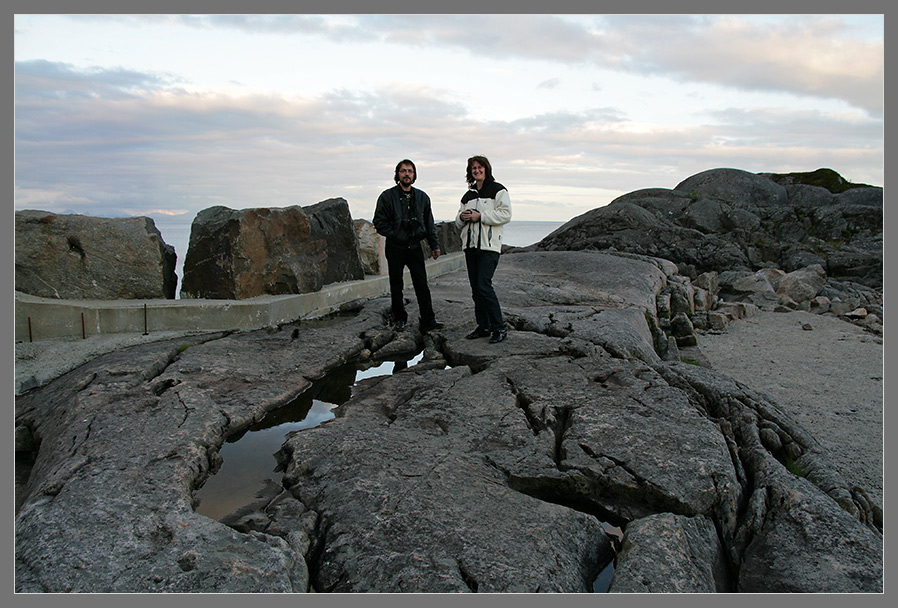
<point>389,213</point>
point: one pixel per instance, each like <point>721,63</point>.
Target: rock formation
<point>483,468</point>
<point>331,222</point>
<point>92,258</point>
<point>449,236</point>
<point>732,220</point>
<point>371,248</point>
<point>238,254</point>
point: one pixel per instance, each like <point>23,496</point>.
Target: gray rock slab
<point>486,467</point>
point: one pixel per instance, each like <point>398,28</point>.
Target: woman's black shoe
<point>478,333</point>
<point>498,336</point>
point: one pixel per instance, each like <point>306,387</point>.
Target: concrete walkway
<point>44,318</point>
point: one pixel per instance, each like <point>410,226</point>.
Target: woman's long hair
<point>486,165</point>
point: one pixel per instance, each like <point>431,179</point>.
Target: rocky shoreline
<point>621,424</point>
<point>483,468</point>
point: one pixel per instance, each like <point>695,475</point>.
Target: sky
<point>165,115</point>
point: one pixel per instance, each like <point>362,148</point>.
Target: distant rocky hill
<point>733,220</point>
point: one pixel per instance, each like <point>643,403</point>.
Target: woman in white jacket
<point>485,209</point>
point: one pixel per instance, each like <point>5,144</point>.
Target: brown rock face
<point>238,254</point>
<point>92,258</point>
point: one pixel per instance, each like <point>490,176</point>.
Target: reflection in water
<point>603,580</point>
<point>248,457</point>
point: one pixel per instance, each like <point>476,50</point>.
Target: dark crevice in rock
<point>645,497</point>
<point>315,557</point>
<point>524,402</point>
<point>750,522</point>
<point>469,580</point>
<point>553,329</point>
<point>27,446</point>
<point>582,493</point>
<point>871,514</point>
<point>159,388</point>
<point>187,411</point>
<point>159,367</point>
<point>781,439</point>
<point>614,379</point>
<point>560,425</point>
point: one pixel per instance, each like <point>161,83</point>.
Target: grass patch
<point>795,467</point>
<point>824,178</point>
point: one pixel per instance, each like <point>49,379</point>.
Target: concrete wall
<point>41,318</point>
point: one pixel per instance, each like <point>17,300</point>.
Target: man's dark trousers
<point>413,257</point>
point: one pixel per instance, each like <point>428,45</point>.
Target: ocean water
<point>522,234</point>
<point>176,232</point>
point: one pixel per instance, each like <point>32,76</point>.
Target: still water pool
<point>248,458</point>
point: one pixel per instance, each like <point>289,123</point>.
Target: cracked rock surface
<point>484,468</point>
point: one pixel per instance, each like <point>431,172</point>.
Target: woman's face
<point>478,171</point>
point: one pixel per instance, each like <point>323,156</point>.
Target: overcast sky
<point>171,114</point>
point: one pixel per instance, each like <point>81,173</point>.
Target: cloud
<point>802,55</point>
<point>107,142</point>
<point>545,37</point>
<point>50,80</point>
<point>810,55</point>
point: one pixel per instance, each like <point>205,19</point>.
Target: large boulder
<point>640,223</point>
<point>371,248</point>
<point>238,254</point>
<point>803,284</point>
<point>92,258</point>
<point>735,186</point>
<point>449,236</point>
<point>690,560</point>
<point>331,222</point>
<point>728,219</point>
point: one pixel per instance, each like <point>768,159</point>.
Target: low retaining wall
<point>42,318</point>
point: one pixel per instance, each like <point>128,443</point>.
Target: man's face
<point>406,175</point>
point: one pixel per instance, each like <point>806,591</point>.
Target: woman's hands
<point>470,215</point>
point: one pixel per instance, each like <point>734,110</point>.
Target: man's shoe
<point>478,333</point>
<point>400,325</point>
<point>426,327</point>
<point>498,336</point>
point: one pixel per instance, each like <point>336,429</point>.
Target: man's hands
<point>435,253</point>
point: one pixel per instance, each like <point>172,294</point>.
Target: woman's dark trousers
<point>413,257</point>
<point>481,266</point>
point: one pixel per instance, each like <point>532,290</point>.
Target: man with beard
<point>404,217</point>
